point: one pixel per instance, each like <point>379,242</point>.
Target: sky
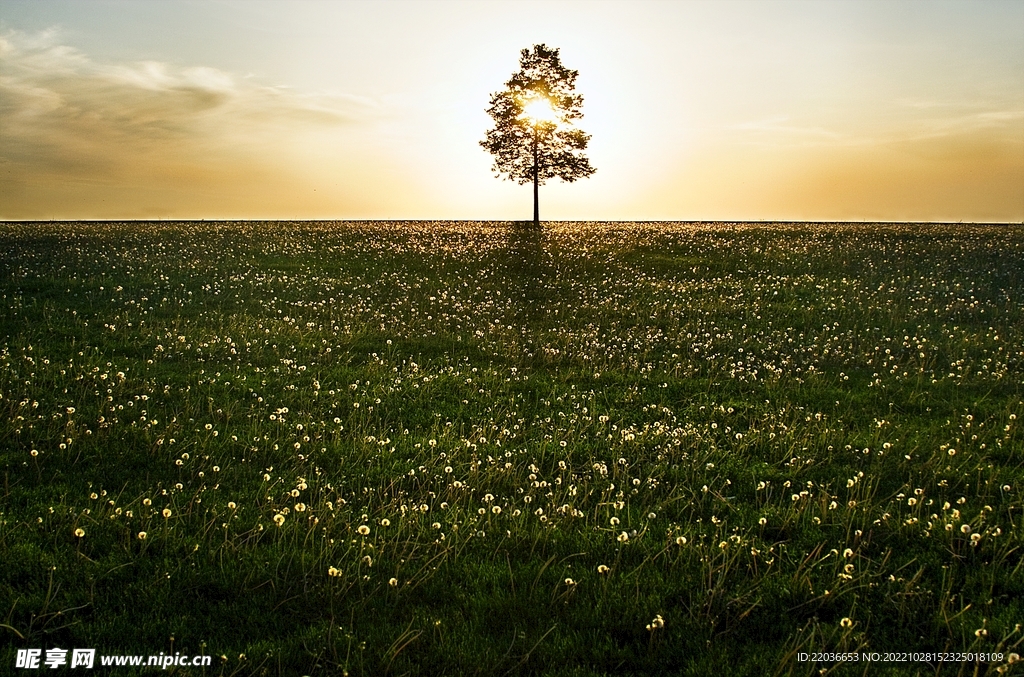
<point>878,111</point>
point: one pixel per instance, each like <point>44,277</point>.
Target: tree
<point>534,138</point>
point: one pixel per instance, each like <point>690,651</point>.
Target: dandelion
<point>623,537</point>
<point>231,505</point>
<point>141,535</point>
<point>79,532</point>
<point>570,582</point>
<point>363,530</point>
<point>94,496</point>
<point>602,569</point>
<point>846,622</point>
<point>385,522</point>
<point>848,553</point>
<point>393,582</point>
<point>496,509</point>
<point>614,521</point>
<point>334,572</point>
<point>166,513</point>
<point>965,528</point>
<point>300,507</point>
<point>681,540</point>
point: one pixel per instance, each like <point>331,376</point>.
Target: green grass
<point>778,439</point>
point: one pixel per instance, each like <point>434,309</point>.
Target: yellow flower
<point>363,530</point>
<point>681,540</point>
<point>393,582</point>
<point>278,519</point>
<point>602,569</point>
<point>142,535</point>
<point>846,623</point>
<point>334,572</point>
<point>231,505</point>
<point>166,513</point>
<point>79,532</point>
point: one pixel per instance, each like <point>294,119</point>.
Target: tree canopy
<point>534,136</point>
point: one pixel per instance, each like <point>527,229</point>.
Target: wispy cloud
<point>68,117</point>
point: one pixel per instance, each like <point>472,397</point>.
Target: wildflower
<point>965,528</point>
<point>79,532</point>
<point>278,519</point>
<point>681,540</point>
<point>614,521</point>
<point>231,505</point>
<point>166,513</point>
<point>848,553</point>
<point>93,496</point>
<point>981,632</point>
<point>142,536</point>
<point>367,560</point>
<point>846,623</point>
<point>334,572</point>
<point>385,522</point>
<point>393,582</point>
<point>496,509</point>
<point>602,569</point>
<point>975,539</point>
<point>363,530</point>
<point>623,537</point>
<point>300,507</point>
<point>570,582</point>
<point>656,624</point>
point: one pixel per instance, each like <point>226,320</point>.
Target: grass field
<point>476,448</point>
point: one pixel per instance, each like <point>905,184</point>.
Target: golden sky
<point>350,110</point>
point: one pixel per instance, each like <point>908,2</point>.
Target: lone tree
<point>534,138</point>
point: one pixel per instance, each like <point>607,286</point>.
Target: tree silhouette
<point>534,138</point>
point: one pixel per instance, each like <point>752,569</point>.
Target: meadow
<point>383,448</point>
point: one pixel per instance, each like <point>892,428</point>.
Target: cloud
<point>69,119</point>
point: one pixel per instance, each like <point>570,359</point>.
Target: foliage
<point>524,150</point>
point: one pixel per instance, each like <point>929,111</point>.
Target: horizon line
<point>524,221</point>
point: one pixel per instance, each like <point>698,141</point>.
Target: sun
<point>538,110</point>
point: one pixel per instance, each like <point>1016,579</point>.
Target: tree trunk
<point>536,201</point>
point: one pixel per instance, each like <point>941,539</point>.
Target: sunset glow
<point>539,110</point>
<point>740,110</point>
